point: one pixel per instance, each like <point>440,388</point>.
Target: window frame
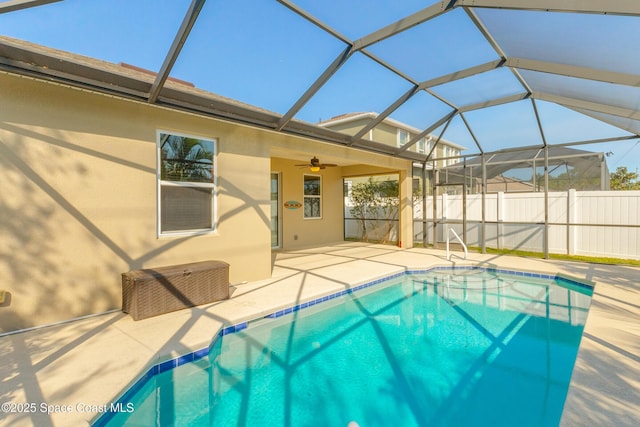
<point>428,144</point>
<point>399,137</point>
<point>311,196</point>
<point>455,152</point>
<point>160,183</point>
<point>424,145</point>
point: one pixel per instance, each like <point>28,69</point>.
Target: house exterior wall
<point>383,133</point>
<point>387,132</point>
<point>79,200</point>
<point>79,204</point>
<point>351,127</point>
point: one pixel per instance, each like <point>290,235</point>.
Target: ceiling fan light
<point>314,168</point>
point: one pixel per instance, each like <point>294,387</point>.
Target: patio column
<point>405,208</point>
<point>425,242</point>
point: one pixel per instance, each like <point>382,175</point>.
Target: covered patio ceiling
<point>487,74</point>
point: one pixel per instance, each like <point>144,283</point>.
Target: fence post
<point>484,205</point>
<point>500,217</point>
<point>445,215</point>
<point>445,208</point>
<point>572,208</point>
<point>436,180</point>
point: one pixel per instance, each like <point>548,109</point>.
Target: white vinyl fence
<point>593,223</point>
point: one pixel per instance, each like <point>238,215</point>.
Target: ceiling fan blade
<point>315,162</point>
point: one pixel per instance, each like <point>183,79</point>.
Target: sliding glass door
<point>275,210</point>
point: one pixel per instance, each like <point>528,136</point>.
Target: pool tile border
<point>158,368</point>
<point>161,367</point>
<point>334,295</point>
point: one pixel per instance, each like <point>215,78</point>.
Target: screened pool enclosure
<point>511,80</point>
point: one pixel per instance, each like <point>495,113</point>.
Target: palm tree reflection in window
<point>186,159</point>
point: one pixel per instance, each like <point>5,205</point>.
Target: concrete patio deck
<point>76,368</point>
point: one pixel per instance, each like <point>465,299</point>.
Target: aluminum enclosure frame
<point>43,63</point>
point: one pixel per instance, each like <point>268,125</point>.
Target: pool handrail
<point>464,247</point>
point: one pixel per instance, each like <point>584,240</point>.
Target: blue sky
<point>259,52</point>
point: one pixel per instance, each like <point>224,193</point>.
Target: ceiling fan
<point>314,165</point>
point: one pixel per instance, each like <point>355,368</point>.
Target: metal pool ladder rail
<point>466,252</point>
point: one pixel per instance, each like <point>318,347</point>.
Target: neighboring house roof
<point>352,117</point>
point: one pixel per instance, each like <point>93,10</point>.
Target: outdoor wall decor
<point>292,204</point>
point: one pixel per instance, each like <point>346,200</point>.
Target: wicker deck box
<point>154,291</point>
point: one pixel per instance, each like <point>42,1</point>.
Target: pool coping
<point>102,419</point>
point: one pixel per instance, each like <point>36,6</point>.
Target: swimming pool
<point>443,347</point>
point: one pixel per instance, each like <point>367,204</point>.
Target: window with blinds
<point>186,184</point>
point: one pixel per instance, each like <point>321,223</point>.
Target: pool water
<point>441,348</point>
